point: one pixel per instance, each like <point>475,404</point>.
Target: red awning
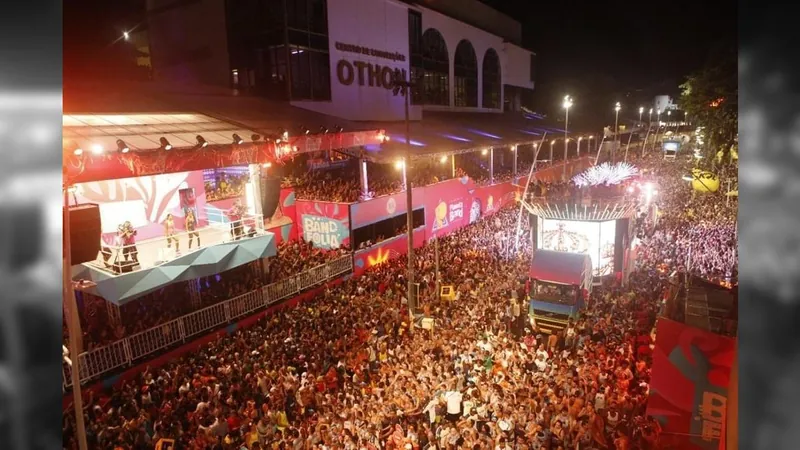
<point>558,267</point>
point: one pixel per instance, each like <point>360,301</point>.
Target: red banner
<point>689,385</point>
<point>326,224</point>
<point>382,208</point>
<point>114,165</point>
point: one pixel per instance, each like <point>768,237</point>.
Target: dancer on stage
<point>169,232</point>
<point>191,227</point>
<point>236,215</point>
<point>128,237</point>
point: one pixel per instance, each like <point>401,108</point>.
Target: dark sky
<point>615,48</point>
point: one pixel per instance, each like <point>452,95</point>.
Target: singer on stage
<point>191,227</point>
<point>236,215</point>
<point>169,232</point>
<point>128,237</point>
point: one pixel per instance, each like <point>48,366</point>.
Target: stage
<point>159,265</point>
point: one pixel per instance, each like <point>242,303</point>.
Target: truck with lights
<point>559,286</point>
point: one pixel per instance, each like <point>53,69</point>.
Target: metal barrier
<point>132,348</point>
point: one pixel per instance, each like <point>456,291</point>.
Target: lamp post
<point>658,127</point>
<point>685,118</point>
<point>617,107</point>
<point>641,110</point>
<point>567,106</point>
<point>403,87</point>
<point>669,114</point>
<point>649,125</point>
<point>580,138</point>
<point>589,146</point>
<point>551,151</point>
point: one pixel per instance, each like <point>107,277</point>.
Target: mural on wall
<point>385,250</point>
<point>145,201</point>
<point>326,224</point>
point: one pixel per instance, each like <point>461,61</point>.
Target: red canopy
<point>558,267</point>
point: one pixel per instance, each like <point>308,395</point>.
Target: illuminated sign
<point>365,73</point>
<point>596,239</point>
<point>456,211</point>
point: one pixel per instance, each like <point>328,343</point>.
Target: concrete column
<point>255,185</point>
<point>491,166</point>
<point>362,170</point>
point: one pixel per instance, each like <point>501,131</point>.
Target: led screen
<point>595,239</point>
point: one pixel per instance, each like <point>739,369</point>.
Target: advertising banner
<point>690,382</point>
<point>381,208</point>
<point>385,250</point>
<point>326,224</point>
<point>448,205</point>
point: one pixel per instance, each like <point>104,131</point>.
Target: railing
<point>133,348</point>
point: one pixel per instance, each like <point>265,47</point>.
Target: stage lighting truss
<point>598,211</point>
<point>605,174</point>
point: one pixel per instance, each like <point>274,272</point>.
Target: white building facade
<point>340,57</point>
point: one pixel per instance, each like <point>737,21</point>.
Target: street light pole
<point>551,151</point>
<point>567,105</point>
<point>641,110</point>
<point>617,107</point>
<point>74,329</point>
<point>658,127</point>
<point>580,138</point>
<point>403,87</point>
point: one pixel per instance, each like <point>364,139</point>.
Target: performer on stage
<point>236,215</point>
<point>128,237</point>
<point>169,232</point>
<point>191,227</point>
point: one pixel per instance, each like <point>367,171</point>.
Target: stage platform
<point>119,282</point>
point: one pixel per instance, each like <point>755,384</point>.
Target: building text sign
<point>364,73</point>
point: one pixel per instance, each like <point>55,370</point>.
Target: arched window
<point>491,80</point>
<point>466,75</point>
<point>434,74</point>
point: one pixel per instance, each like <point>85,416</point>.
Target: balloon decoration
<point>703,181</point>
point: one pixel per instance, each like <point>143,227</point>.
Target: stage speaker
<point>270,195</point>
<point>84,232</point>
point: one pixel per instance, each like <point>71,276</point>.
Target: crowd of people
<point>350,370</point>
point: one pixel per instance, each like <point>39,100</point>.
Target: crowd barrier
<point>125,352</point>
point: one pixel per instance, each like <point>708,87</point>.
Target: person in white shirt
<point>453,399</point>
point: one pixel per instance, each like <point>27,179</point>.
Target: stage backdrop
<point>690,379</point>
<point>326,224</point>
<point>145,201</point>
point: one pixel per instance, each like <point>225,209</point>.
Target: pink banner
<point>381,208</point>
<point>385,250</point>
<point>326,224</point>
<point>451,204</point>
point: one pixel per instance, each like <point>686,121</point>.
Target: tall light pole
<point>617,107</point>
<point>641,110</point>
<point>580,138</point>
<point>403,87</point>
<point>649,125</point>
<point>551,151</point>
<point>686,118</point>
<point>658,127</point>
<point>589,149</point>
<point>669,114</point>
<point>567,106</point>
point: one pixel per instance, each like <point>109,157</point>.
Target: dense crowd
<point>349,370</point>
<point>345,371</point>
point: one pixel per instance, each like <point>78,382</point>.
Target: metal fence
<point>140,345</point>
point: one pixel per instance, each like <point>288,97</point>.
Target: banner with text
<point>689,386</point>
<point>326,224</point>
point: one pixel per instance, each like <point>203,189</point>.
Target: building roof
<point>248,112</point>
<point>443,133</point>
<point>558,267</point>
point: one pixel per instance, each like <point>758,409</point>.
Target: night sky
<point>598,52</point>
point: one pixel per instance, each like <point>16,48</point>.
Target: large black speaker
<point>270,195</point>
<point>84,232</point>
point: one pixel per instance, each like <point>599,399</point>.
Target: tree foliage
<point>711,98</point>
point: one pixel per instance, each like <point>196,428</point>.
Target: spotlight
<point>165,143</point>
<point>237,139</point>
<point>484,152</point>
<point>126,35</point>
<point>97,149</point>
<point>443,159</point>
<point>201,141</point>
<point>323,130</point>
<point>304,129</point>
<point>337,129</point>
<point>122,147</point>
<point>255,137</point>
<point>399,164</point>
<point>78,151</point>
